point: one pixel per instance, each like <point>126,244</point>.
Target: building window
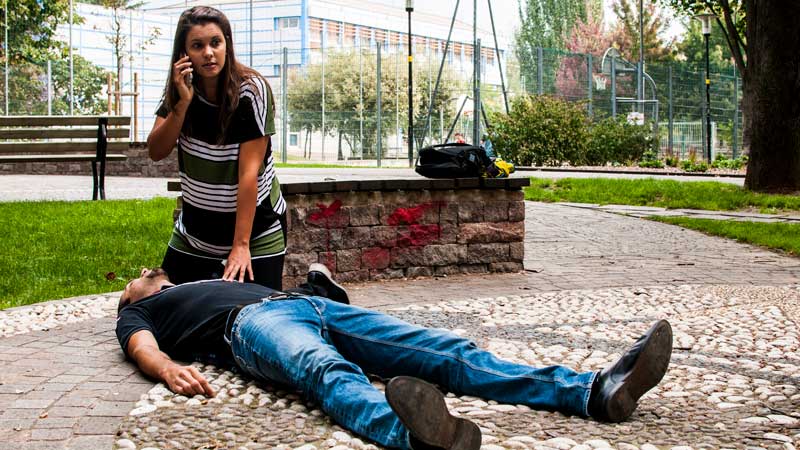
<point>289,22</point>
<point>293,139</point>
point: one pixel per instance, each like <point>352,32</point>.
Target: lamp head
<point>409,5</point>
<point>705,19</point>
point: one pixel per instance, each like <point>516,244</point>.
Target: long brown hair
<point>231,77</point>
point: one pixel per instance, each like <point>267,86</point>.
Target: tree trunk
<point>771,99</point>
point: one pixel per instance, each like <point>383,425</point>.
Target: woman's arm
<point>251,156</point>
<point>185,380</point>
<point>166,130</point>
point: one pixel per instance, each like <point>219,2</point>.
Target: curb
<point>627,172</point>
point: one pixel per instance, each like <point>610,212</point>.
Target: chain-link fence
<point>351,104</point>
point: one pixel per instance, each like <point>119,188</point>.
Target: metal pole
<point>285,104</point>
<point>49,88</point>
<point>704,117</point>
<point>398,145</point>
<point>360,97</point>
<point>379,148</point>
<point>250,28</point>
<point>429,122</point>
<point>324,133</point>
<point>497,56</point>
<point>671,139</point>
<point>589,83</point>
<point>410,94</point>
<point>735,113</point>
<point>539,67</point>
<point>5,51</point>
<point>640,69</point>
<point>71,67</point>
<point>476,99</point>
<point>614,87</point>
<point>441,65</point>
<point>708,101</point>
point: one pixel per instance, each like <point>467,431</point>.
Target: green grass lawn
<point>783,236</point>
<point>710,195</point>
<point>55,250</point>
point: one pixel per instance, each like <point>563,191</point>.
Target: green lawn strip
<point>708,195</point>
<point>781,236</point>
<point>54,250</point>
<point>300,165</point>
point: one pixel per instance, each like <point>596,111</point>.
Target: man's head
<point>149,282</point>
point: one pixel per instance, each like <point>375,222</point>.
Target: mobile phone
<point>189,78</point>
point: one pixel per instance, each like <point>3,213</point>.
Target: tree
<point>546,23</point>
<point>118,39</point>
<point>587,37</point>
<point>765,44</point>
<point>33,42</point>
<point>351,99</point>
<point>626,34</point>
<point>692,49</point>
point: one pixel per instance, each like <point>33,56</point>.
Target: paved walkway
<point>593,281</point>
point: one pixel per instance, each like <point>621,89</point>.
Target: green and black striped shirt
<point>209,172</point>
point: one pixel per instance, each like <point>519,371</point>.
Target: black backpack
<point>452,160</point>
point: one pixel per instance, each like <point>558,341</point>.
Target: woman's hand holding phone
<point>182,78</point>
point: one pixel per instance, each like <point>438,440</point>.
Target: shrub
<point>691,166</point>
<point>650,159</point>
<point>672,161</point>
<point>720,162</point>
<point>617,141</point>
<point>541,131</point>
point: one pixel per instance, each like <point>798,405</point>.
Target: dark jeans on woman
<point>183,268</point>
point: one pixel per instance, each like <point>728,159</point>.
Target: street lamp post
<point>705,19</point>
<point>410,9</point>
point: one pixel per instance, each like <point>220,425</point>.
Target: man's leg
<point>390,347</point>
<point>285,341</point>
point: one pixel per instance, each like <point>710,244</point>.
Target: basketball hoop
<point>600,81</point>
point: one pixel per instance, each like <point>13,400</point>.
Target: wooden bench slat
<point>55,121</point>
<point>61,133</point>
<point>57,158</point>
<point>58,147</point>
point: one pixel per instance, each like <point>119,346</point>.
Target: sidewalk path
<point>593,282</point>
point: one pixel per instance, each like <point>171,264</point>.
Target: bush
<point>541,131</point>
<point>691,166</point>
<point>672,161</point>
<point>617,141</point>
<point>720,162</point>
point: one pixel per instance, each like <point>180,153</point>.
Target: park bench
<point>39,139</point>
<point>402,228</point>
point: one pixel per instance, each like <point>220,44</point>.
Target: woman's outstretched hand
<point>238,265</point>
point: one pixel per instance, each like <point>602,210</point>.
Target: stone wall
<point>138,164</point>
<point>374,235</point>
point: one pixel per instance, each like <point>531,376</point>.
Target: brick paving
<point>69,388</point>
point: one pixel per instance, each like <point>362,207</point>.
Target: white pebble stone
<point>193,402</point>
<point>777,437</point>
<point>163,404</point>
<point>561,443</point>
<point>648,447</point>
<point>782,420</point>
<point>626,446</point>
<point>598,443</point>
<point>125,444</point>
<point>143,410</point>
<point>503,408</point>
<point>492,447</point>
<point>342,437</point>
<point>526,439</point>
<point>357,443</point>
<point>581,447</point>
<point>340,447</point>
<point>755,420</point>
<point>306,447</point>
<point>726,405</point>
<point>681,447</point>
<point>151,448</point>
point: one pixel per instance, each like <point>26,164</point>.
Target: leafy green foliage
<point>617,141</point>
<point>650,159</point>
<point>351,96</point>
<point>694,166</point>
<point>781,236</point>
<point>655,26</point>
<point>710,195</point>
<point>541,131</point>
<point>721,162</point>
<point>71,246</point>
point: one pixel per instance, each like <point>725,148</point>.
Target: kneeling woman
<point>221,114</point>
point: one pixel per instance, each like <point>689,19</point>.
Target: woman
<point>221,114</point>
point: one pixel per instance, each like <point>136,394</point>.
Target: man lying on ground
<point>324,348</point>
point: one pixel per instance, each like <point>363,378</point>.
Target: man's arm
<point>185,380</point>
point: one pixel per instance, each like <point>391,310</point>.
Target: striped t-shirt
<point>209,172</point>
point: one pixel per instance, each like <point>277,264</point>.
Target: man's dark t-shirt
<point>188,320</point>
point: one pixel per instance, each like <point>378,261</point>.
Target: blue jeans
<point>324,348</point>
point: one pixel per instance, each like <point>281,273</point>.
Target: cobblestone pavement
<point>593,282</point>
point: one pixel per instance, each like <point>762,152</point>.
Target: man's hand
<point>186,380</point>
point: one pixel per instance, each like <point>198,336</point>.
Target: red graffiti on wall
<point>413,234</point>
